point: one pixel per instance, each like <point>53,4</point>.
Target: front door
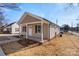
<point>30,31</point>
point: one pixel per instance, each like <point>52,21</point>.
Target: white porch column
<point>26,32</point>
<point>20,29</point>
<point>42,31</point>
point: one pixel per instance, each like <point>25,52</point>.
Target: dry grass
<point>66,45</point>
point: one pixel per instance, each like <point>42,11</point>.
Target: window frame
<point>23,28</point>
<point>37,28</point>
<point>16,29</point>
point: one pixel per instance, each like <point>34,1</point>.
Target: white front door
<point>30,31</point>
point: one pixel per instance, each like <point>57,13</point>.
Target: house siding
<point>54,31</point>
<point>46,31</point>
<point>14,26</point>
<point>28,19</point>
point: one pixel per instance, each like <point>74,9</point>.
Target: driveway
<point>74,33</point>
<point>6,38</point>
<point>1,52</point>
<point>9,34</point>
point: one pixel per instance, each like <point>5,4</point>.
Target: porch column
<point>42,31</point>
<point>19,29</point>
<point>26,31</point>
<point>49,31</point>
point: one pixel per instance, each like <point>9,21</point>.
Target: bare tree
<point>71,6</point>
<point>2,18</point>
<point>12,6</point>
<point>65,27</point>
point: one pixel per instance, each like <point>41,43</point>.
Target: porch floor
<point>37,38</point>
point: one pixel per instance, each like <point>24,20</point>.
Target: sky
<point>59,12</point>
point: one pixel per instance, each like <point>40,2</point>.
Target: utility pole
<point>77,24</point>
<point>55,27</point>
<point>56,21</point>
<point>72,24</point>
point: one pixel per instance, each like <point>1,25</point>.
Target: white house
<point>12,28</point>
<point>37,28</point>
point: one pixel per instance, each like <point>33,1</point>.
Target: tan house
<point>37,28</point>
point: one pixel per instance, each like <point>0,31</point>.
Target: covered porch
<point>37,31</point>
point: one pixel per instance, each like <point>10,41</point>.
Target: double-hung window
<point>16,29</point>
<point>24,29</point>
<point>37,28</point>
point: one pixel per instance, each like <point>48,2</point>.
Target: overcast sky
<point>52,12</point>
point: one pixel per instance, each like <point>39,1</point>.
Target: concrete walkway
<point>74,33</point>
<point>1,52</point>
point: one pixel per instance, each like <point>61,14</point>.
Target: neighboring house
<point>37,28</point>
<point>12,28</point>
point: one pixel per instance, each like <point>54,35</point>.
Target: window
<point>37,28</point>
<point>24,29</point>
<point>16,29</point>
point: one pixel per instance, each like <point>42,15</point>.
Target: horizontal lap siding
<point>45,30</point>
<point>14,26</point>
<point>29,19</point>
<point>54,31</point>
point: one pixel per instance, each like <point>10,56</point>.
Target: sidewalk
<point>77,34</point>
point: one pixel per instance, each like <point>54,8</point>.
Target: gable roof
<point>41,18</point>
<point>9,24</point>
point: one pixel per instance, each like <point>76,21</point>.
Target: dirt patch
<point>59,46</point>
<point>27,42</point>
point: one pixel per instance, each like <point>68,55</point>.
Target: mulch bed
<point>27,42</point>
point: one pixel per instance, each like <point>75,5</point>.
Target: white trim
<point>19,29</point>
<point>42,32</point>
<point>22,17</point>
<point>34,22</point>
<point>35,16</point>
<point>31,23</point>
